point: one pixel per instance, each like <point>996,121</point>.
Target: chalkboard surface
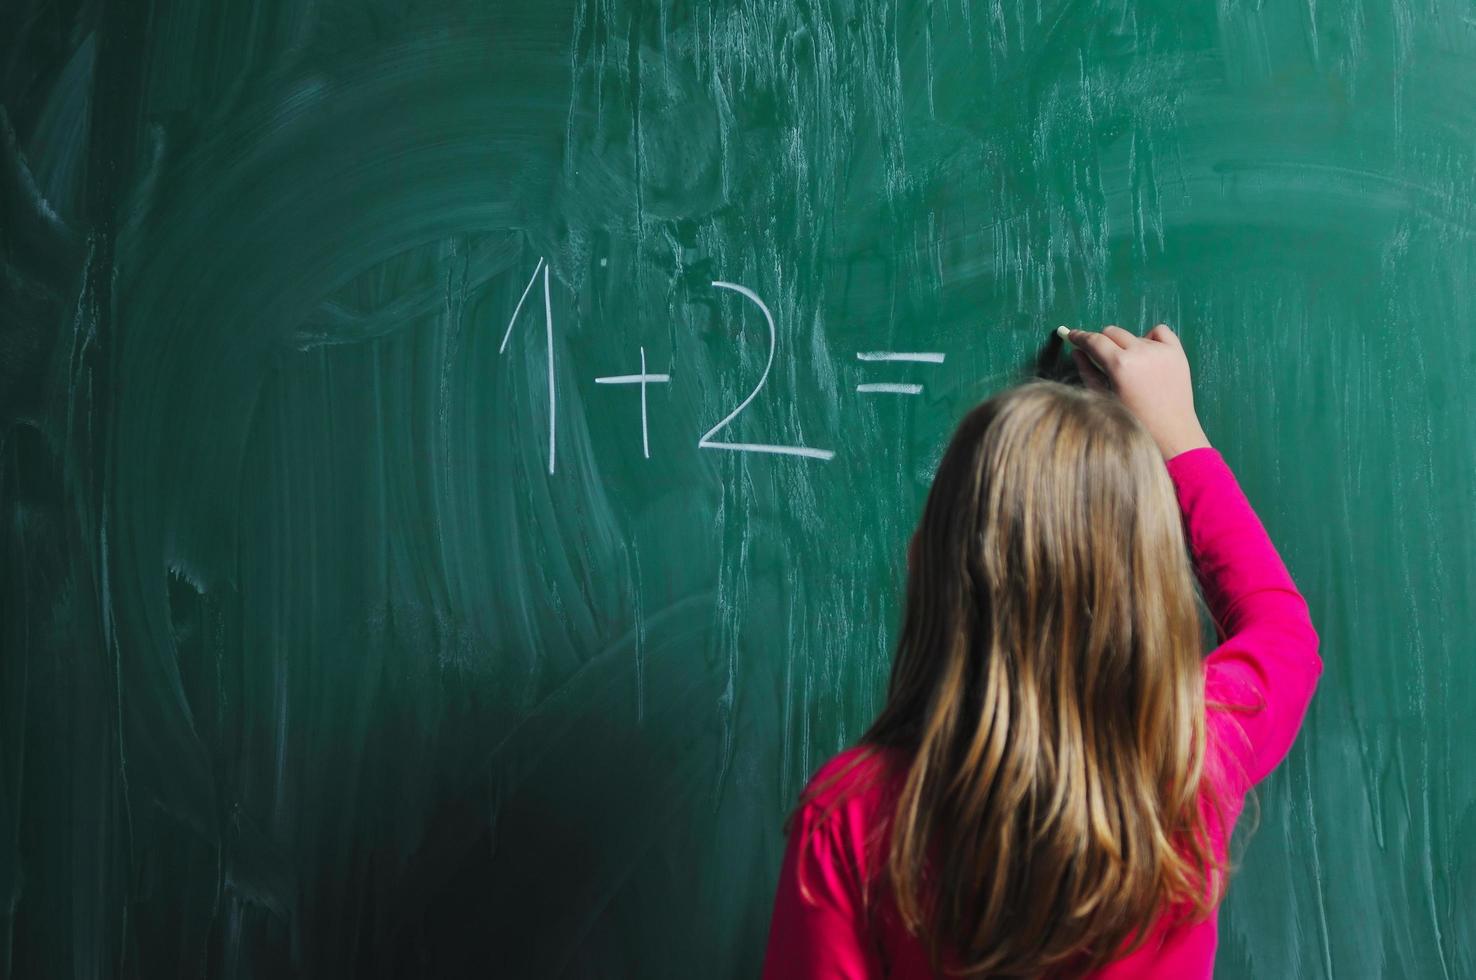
<point>457,458</point>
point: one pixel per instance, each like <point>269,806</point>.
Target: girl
<point>1050,787</point>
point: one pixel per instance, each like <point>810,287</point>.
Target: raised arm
<point>1267,664</point>
<point>1263,673</point>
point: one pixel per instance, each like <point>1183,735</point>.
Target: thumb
<point>1091,375</point>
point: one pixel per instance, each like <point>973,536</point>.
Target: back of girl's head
<point>1047,690</point>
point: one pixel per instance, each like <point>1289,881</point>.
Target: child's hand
<point>1151,376</point>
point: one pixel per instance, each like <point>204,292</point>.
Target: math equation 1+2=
<point>644,378</point>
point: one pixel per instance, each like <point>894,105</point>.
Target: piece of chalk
<point>1063,331</point>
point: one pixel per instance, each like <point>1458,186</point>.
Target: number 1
<point>548,329</point>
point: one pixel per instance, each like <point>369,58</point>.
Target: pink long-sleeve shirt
<point>1266,667</point>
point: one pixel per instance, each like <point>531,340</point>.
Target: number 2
<point>752,447</point>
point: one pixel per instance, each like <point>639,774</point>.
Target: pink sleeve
<point>1267,665</point>
<point>819,928</point>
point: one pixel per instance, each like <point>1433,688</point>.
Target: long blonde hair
<point>1047,691</point>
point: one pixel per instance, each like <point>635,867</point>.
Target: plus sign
<point>641,379</point>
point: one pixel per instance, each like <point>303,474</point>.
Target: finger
<point>1101,350</point>
<point>1091,375</point>
<point>1119,336</point>
<point>1164,335</point>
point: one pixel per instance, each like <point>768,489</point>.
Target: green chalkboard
<point>364,613</point>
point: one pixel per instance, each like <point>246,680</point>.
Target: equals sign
<point>887,388</point>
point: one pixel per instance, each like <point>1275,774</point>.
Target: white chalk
<point>1062,331</point>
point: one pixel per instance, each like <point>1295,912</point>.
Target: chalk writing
<point>892,355</point>
<point>706,441</point>
<point>894,388</point>
<point>548,326</point>
<point>877,388</point>
<point>519,308</point>
<point>641,379</point>
<point>645,378</point>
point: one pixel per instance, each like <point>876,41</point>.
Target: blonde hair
<point>1047,692</point>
